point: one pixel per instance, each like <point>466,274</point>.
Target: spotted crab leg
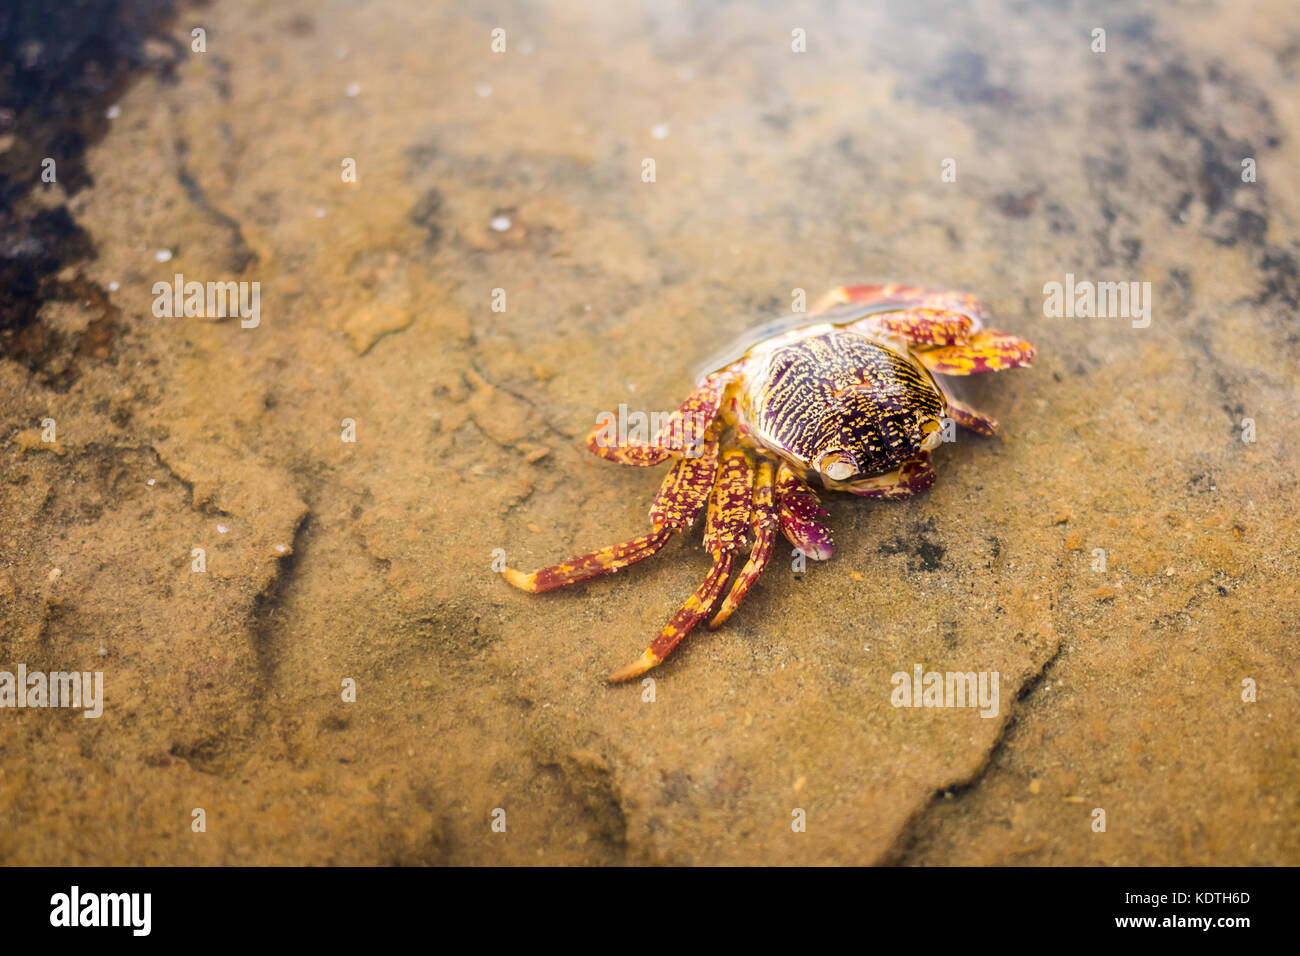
<point>907,297</point>
<point>682,495</point>
<point>946,329</point>
<point>986,351</point>
<point>921,327</point>
<point>764,523</point>
<point>724,536</point>
<point>679,436</point>
<point>969,418</point>
<point>628,452</point>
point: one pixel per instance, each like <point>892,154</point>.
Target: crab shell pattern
<point>849,400</point>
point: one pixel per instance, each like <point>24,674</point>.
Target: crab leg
<point>629,452</point>
<point>724,536</point>
<point>969,418</point>
<point>605,561</point>
<point>950,343</point>
<point>683,493</point>
<point>682,623</point>
<point>686,427</point>
<point>921,327</point>
<point>986,351</point>
<point>906,296</point>
<point>764,527</point>
<point>801,515</point>
<point>947,329</point>
<point>680,435</point>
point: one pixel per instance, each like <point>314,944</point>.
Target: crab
<point>848,399</point>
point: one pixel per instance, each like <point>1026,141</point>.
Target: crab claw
<point>801,516</point>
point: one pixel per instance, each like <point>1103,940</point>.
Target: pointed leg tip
<point>524,582</point>
<point>729,605</point>
<point>635,669</point>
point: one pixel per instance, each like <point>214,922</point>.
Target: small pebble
<point>163,255</point>
<point>500,223</point>
<point>113,112</point>
<point>151,482</point>
<point>114,286</point>
<point>222,529</point>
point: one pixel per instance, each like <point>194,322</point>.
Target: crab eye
<point>838,466</point>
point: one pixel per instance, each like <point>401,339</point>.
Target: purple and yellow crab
<point>850,399</point>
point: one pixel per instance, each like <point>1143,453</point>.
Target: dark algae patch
<point>62,66</point>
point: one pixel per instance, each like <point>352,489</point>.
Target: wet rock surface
<point>369,561</point>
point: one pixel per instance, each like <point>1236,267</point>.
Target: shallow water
<point>1120,683</point>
